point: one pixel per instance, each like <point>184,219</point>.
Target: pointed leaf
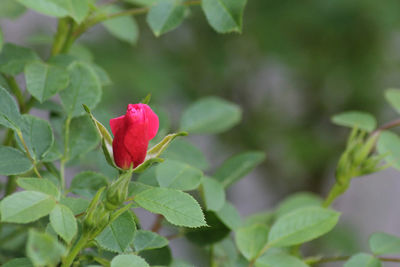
<point>251,240</point>
<point>84,88</point>
<point>165,16</point>
<point>224,15</point>
<point>156,150</point>
<point>13,58</point>
<point>237,167</point>
<point>123,28</point>
<point>177,207</point>
<point>119,234</point>
<point>178,175</point>
<point>302,225</point>
<point>210,115</point>
<point>382,243</point>
<point>230,216</point>
<point>40,185</point>
<point>280,259</point>
<point>358,119</point>
<point>148,240</point>
<point>184,151</point>
<point>87,183</point>
<point>44,80</point>
<point>63,222</point>
<point>214,194</point>
<point>128,260</point>
<point>13,161</point>
<point>363,260</point>
<point>389,146</point>
<point>9,112</point>
<point>26,206</point>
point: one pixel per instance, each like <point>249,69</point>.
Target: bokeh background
<point>295,65</point>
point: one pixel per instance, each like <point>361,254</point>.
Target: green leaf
<point>178,175</point>
<point>177,207</point>
<point>43,249</point>
<point>214,194</point>
<point>165,16</point>
<point>279,259</point>
<point>119,234</point>
<point>87,183</point>
<point>251,240</point>
<point>128,260</point>
<point>144,240</point>
<point>142,2</point>
<point>149,177</point>
<point>26,206</point>
<point>393,97</point>
<point>296,201</point>
<point>362,260</point>
<point>237,167</point>
<point>230,216</point>
<point>44,80</point>
<point>39,185</point>
<point>123,28</point>
<point>159,148</point>
<point>13,58</point>
<point>210,115</point>
<point>10,9</point>
<point>215,231</point>
<point>361,120</point>
<point>13,161</point>
<point>63,222</point>
<point>389,145</point>
<point>77,205</point>
<point>38,136</point>
<point>77,9</point>
<point>302,225</point>
<point>9,112</point>
<point>382,243</point>
<point>157,257</point>
<point>83,136</point>
<point>18,262</point>
<point>84,88</point>
<point>184,151</point>
<point>224,15</point>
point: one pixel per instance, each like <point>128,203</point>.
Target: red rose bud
<point>132,133</point>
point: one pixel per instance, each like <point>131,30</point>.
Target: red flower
<point>132,133</point>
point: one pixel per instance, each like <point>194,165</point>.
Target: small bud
<point>118,191</point>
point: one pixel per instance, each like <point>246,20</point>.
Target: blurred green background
<point>295,65</point>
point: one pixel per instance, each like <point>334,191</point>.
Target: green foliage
<point>210,115</point>
<point>128,261</point>
<point>13,161</point>
<point>13,58</point>
<point>224,15</point>
<point>145,240</point>
<point>18,262</point>
<point>357,119</point>
<point>117,236</point>
<point>214,194</point>
<point>83,137</point>
<point>389,146</point>
<point>123,28</point>
<point>44,80</point>
<point>9,113</point>
<point>178,175</point>
<point>87,183</point>
<point>165,15</point>
<point>39,185</point>
<point>363,260</point>
<point>393,97</point>
<point>237,167</point>
<point>26,206</point>
<point>184,151</point>
<point>76,9</point>
<point>10,9</point>
<point>296,201</point>
<point>302,225</point>
<point>84,88</point>
<point>43,249</point>
<point>176,206</point>
<point>63,222</point>
<point>37,135</point>
<point>230,216</point>
<point>382,243</point>
<point>1,39</point>
<point>251,240</point>
<point>280,259</point>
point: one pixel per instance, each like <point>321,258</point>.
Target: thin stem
<point>60,37</point>
<point>336,191</point>
<point>386,126</point>
<point>212,259</point>
<point>267,246</point>
<point>66,152</point>
<point>157,224</point>
<point>83,240</point>
<point>16,91</point>
<point>28,154</point>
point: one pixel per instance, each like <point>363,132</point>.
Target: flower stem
<point>83,240</point>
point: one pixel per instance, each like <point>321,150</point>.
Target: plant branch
<point>157,223</point>
<point>386,126</point>
<point>28,154</point>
